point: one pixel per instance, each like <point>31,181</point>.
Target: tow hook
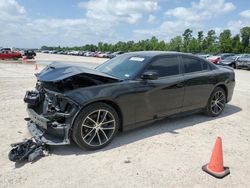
<point>28,150</point>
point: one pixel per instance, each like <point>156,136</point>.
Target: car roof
<point>156,53</point>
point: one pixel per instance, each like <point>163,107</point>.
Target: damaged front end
<point>51,111</point>
<point>50,115</point>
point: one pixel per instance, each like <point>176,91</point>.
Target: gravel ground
<point>168,153</point>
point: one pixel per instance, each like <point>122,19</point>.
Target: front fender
<point>84,96</point>
<point>122,95</point>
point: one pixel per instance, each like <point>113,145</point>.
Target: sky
<point>34,23</point>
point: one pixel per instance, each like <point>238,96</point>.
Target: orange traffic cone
<point>24,59</point>
<point>36,67</point>
<point>215,166</point>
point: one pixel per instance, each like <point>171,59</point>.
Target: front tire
<point>216,102</point>
<point>96,126</point>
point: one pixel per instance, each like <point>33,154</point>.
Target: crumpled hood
<point>59,71</point>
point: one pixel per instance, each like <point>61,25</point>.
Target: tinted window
<point>205,65</point>
<point>166,66</point>
<point>191,65</point>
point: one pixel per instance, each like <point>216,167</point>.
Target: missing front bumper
<point>51,116</point>
<point>41,135</point>
<point>45,131</point>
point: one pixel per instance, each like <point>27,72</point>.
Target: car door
<point>198,80</point>
<point>163,96</point>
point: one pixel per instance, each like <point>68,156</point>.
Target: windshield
<point>124,66</point>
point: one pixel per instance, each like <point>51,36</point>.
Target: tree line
<point>208,42</point>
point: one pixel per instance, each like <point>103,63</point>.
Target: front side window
<point>191,65</point>
<point>165,66</point>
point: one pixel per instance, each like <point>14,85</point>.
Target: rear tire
<point>96,126</point>
<point>216,102</point>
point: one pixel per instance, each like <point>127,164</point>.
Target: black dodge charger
<point>92,105</point>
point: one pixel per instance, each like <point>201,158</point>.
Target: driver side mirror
<point>150,76</point>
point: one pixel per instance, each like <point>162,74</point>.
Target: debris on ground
<point>28,150</point>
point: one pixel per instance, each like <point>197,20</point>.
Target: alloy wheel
<point>98,127</point>
<point>218,102</point>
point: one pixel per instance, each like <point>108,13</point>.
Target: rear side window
<point>191,64</point>
<point>205,65</point>
<point>165,66</point>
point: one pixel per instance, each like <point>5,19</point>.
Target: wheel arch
<point>108,102</point>
<point>224,87</point>
<point>117,109</point>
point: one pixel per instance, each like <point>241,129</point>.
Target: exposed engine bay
<point>75,82</point>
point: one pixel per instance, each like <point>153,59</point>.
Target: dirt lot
<point>168,153</point>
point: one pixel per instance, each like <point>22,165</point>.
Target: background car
<point>107,54</point>
<point>112,55</point>
<point>214,59</point>
<point>9,54</point>
<point>130,90</point>
<point>225,55</point>
<point>217,58</point>
<point>229,61</point>
<point>100,54</point>
<point>88,54</point>
<point>30,54</point>
<point>243,56</point>
<point>59,52</point>
<point>243,63</point>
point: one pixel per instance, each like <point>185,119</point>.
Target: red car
<point>214,59</point>
<point>8,54</point>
